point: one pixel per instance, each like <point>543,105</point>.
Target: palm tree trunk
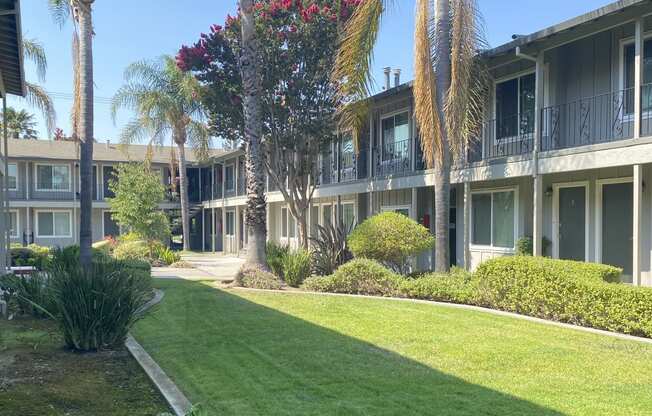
<point>183,194</point>
<point>86,131</point>
<point>442,168</point>
<point>256,213</point>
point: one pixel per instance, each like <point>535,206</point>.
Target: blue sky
<point>132,30</point>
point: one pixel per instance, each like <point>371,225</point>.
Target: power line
<point>70,97</point>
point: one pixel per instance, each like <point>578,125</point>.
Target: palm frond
<point>60,10</point>
<point>352,69</point>
<point>35,52</point>
<point>467,91</point>
<point>425,91</point>
<point>200,139</point>
<point>145,72</point>
<point>134,131</point>
<point>37,97</point>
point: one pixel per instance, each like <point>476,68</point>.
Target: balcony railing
<point>505,136</point>
<point>393,158</point>
<point>646,110</point>
<point>353,166</point>
<point>599,119</point>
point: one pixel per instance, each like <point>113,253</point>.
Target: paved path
<point>207,266</point>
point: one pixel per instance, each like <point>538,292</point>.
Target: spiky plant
<point>448,89</point>
<point>165,100</point>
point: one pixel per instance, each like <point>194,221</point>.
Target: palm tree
<point>35,95</point>
<point>165,100</point>
<point>20,124</point>
<point>448,87</point>
<point>83,112</point>
<point>256,212</point>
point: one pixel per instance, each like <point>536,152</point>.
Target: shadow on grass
<point>238,357</point>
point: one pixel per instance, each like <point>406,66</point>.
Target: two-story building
<point>564,156</point>
<point>43,188</point>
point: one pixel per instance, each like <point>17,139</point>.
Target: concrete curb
<point>467,307</point>
<point>175,398</point>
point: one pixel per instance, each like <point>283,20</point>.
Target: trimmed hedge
<point>566,291</point>
<point>360,277</point>
<point>456,287</point>
<point>255,278</point>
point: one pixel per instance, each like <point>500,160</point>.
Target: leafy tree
<point>166,103</point>
<point>297,43</point>
<point>449,86</point>
<point>20,124</point>
<point>138,192</point>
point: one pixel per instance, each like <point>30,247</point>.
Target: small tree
<point>138,193</point>
<point>390,238</point>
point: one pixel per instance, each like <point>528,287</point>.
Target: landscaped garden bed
<point>39,377</point>
<point>254,352</point>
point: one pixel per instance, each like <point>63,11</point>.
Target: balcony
<point>393,158</point>
<point>507,136</point>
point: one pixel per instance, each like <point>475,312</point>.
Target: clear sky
<point>132,30</point>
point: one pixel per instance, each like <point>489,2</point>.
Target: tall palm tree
<point>20,124</point>
<point>165,100</point>
<point>256,212</point>
<point>82,12</point>
<point>448,88</point>
<point>35,95</point>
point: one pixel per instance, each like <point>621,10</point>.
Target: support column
<point>467,225</point>
<point>223,229</point>
<point>638,71</point>
<point>203,230</point>
<point>415,217</point>
<point>537,212</point>
<point>214,227</point>
<point>370,202</point>
<point>636,232</point>
<point>236,224</point>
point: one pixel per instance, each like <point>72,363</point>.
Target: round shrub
<point>255,278</point>
<point>360,277</point>
<point>390,238</point>
<point>132,250</point>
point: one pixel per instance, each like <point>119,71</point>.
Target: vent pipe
<point>388,83</point>
<point>397,77</point>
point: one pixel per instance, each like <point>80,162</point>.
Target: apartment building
<point>43,188</point>
<point>564,156</point>
<point>12,82</point>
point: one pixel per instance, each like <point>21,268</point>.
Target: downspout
<point>5,202</point>
<point>535,148</point>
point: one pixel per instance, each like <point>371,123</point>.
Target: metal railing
<point>646,110</point>
<point>393,158</point>
<point>505,136</point>
<point>599,119</point>
<point>353,166</point>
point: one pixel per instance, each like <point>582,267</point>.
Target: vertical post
<point>415,217</point>
<point>223,230</point>
<point>236,225</point>
<point>636,232</point>
<point>268,216</point>
<point>638,72</point>
<point>537,231</point>
<point>5,203</point>
<point>213,228</point>
<point>203,230</point>
<point>467,225</point>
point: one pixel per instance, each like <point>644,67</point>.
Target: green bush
<point>32,255</point>
<point>390,238</point>
<point>567,291</point>
<point>359,276</point>
<point>275,254</point>
<point>524,246</point>
<point>296,267</point>
<point>96,307</point>
<point>166,255</point>
<point>458,286</point>
<point>106,245</point>
<point>132,250</point>
<point>329,248</point>
<point>255,278</point>
<point>30,294</point>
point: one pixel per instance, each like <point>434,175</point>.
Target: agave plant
<point>329,248</point>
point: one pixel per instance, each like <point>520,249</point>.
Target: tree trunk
<point>86,132</point>
<point>302,221</point>
<point>256,212</point>
<point>183,194</point>
<point>442,167</point>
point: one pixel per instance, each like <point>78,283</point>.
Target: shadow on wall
<point>245,358</point>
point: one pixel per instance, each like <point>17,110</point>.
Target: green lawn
<point>39,378</point>
<point>242,353</point>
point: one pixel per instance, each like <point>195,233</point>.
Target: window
<point>347,151</point>
<point>396,136</point>
<point>12,177</point>
<point>493,219</point>
<point>327,214</point>
<point>53,224</point>
<point>52,178</point>
<point>230,223</point>
<point>515,107</point>
<point>291,226</point>
<point>628,76</point>
<point>284,222</point>
<point>110,226</point>
<point>348,215</point>
<point>13,223</point>
<point>403,210</point>
<point>108,174</point>
<point>229,183</point>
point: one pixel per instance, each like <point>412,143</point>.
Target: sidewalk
<point>207,266</point>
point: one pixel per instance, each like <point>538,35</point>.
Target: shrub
<point>275,254</point>
<point>132,250</point>
<point>524,246</point>
<point>166,255</point>
<point>31,255</point>
<point>96,307</point>
<point>359,276</point>
<point>458,286</point>
<point>106,246</point>
<point>390,238</point>
<point>579,293</point>
<point>296,267</point>
<point>255,278</point>
<point>329,248</point>
<point>30,293</point>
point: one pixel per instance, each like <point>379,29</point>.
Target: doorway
<point>615,201</point>
<point>570,221</point>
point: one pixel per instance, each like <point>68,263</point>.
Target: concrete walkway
<point>207,266</point>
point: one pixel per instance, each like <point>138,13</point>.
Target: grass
<point>242,352</point>
<point>38,377</point>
